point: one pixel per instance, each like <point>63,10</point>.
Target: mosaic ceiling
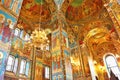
<point>73,10</point>
<point>80,17</point>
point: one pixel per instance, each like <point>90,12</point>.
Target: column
<point>61,65</point>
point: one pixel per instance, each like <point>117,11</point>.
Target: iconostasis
<point>43,64</point>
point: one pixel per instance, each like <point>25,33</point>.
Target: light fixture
<point>95,62</point>
<point>39,37</point>
<point>117,56</point>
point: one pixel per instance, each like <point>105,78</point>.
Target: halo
<point>1,55</point>
<point>2,17</point>
<point>9,21</point>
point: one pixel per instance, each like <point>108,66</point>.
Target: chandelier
<point>39,37</point>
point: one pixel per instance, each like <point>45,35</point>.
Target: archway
<point>111,65</point>
<point>92,40</point>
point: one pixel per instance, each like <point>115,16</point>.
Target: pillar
<point>61,64</point>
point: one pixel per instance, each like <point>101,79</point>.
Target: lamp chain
<point>40,15</point>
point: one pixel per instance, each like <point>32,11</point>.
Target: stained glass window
<point>10,63</point>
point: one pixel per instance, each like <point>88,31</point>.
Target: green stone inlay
<point>39,1</point>
<point>77,3</point>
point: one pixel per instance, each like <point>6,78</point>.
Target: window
<point>27,69</point>
<point>21,34</point>
<point>47,71</point>
<point>17,31</point>
<point>59,77</point>
<point>10,63</point>
<point>48,47</point>
<point>118,2</point>
<point>16,65</point>
<point>55,78</point>
<point>112,65</point>
<point>27,37</point>
<point>22,66</point>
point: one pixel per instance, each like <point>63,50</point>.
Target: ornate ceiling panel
<point>31,10</point>
<point>73,10</point>
<point>80,9</point>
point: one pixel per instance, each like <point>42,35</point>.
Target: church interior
<point>59,39</point>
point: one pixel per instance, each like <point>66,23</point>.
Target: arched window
<point>22,66</point>
<point>10,63</point>
<point>17,31</point>
<point>112,65</point>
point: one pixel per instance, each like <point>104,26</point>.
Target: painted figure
<point>15,6</point>
<point>7,3</point>
<point>1,57</point>
<point>54,42</point>
<point>2,19</point>
<point>6,32</point>
<point>58,62</point>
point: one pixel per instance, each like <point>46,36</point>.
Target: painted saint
<point>6,32</point>
<point>7,3</point>
<point>1,57</point>
<point>15,5</point>
<point>2,19</point>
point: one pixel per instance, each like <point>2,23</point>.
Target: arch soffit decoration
<point>95,33</point>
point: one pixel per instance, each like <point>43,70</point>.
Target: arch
<point>105,47</point>
<point>111,64</point>
<point>95,33</point>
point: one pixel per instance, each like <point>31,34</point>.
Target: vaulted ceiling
<point>75,12</point>
<point>80,17</point>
